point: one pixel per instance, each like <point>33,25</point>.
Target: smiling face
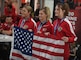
<point>59,12</point>
<point>25,12</point>
<point>42,15</point>
<point>9,19</point>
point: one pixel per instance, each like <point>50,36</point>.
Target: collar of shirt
<point>42,23</point>
<point>27,19</point>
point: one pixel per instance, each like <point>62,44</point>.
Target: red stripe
<point>47,52</point>
<point>18,55</point>
<point>48,44</point>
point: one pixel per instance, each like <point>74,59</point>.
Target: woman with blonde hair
<point>27,21</point>
<point>44,25</point>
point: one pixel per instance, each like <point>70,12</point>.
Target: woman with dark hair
<point>63,28</point>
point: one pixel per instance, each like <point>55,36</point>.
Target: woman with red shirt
<point>26,22</point>
<point>7,26</point>
<point>44,26</point>
<point>63,28</point>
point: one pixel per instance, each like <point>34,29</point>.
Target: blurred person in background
<point>6,29</point>
<point>9,10</point>
<point>7,26</point>
<point>36,13</point>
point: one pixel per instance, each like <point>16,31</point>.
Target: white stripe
<point>71,28</point>
<point>16,58</point>
<point>49,40</point>
<point>51,57</point>
<point>25,56</point>
<point>34,22</point>
<point>49,48</point>
<point>75,39</point>
<point>54,57</point>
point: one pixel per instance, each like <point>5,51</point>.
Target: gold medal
<point>59,28</point>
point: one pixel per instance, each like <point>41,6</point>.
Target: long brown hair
<point>64,6</point>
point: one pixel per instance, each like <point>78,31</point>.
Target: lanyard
<point>57,25</point>
<point>40,25</point>
<point>22,23</point>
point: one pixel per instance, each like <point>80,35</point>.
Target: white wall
<point>35,4</point>
<point>50,4</point>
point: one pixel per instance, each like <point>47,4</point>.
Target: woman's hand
<point>46,33</point>
<point>25,27</point>
<point>65,39</point>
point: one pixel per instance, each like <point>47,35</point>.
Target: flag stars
<point>23,40</point>
<point>19,33</point>
<point>20,47</point>
<point>19,39</point>
<point>27,33</point>
<point>23,45</point>
<point>17,29</point>
<point>24,32</point>
<point>22,50</point>
<point>26,51</point>
<point>29,51</point>
<point>16,34</point>
<point>27,37</point>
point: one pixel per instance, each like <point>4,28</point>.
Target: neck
<point>43,20</point>
<point>61,17</point>
<point>26,17</point>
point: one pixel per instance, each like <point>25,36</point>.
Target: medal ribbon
<point>22,23</point>
<point>57,25</point>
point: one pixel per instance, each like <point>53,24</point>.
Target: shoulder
<point>33,22</point>
<point>49,23</point>
<point>66,21</point>
<point>54,22</point>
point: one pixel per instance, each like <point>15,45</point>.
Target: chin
<point>56,14</point>
<point>23,16</point>
<point>40,19</point>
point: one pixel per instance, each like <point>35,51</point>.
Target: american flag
<point>43,48</point>
<point>22,44</point>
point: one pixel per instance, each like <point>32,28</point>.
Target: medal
<point>44,29</point>
<point>59,28</point>
<point>25,27</point>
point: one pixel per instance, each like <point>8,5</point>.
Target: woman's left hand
<point>65,39</point>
